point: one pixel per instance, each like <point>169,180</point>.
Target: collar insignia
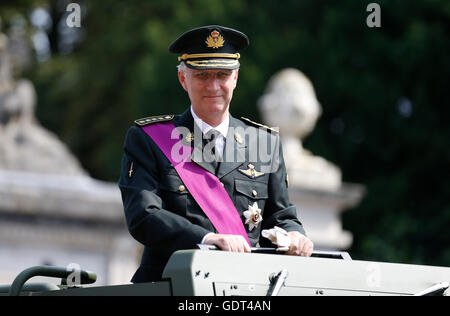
<point>238,138</point>
<point>189,137</point>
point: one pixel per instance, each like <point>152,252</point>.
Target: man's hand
<point>235,243</point>
<point>300,245</point>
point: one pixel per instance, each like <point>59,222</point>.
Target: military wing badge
<point>251,172</point>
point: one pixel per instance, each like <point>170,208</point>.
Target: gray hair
<point>182,67</point>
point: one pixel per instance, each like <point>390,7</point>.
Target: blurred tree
<point>383,91</point>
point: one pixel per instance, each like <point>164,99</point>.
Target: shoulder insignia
<point>258,125</point>
<point>153,119</point>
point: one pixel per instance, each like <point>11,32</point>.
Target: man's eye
<point>201,75</point>
<point>223,75</point>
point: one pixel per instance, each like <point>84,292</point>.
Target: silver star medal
<point>253,216</point>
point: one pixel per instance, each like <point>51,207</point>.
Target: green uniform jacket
<point>163,216</point>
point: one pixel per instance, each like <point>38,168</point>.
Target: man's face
<point>210,91</point>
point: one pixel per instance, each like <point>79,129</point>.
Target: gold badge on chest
<point>253,216</point>
<point>251,172</point>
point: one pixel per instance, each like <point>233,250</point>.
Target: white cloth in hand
<point>279,237</point>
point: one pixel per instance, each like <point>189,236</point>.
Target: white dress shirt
<point>222,128</point>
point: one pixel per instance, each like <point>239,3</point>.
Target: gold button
<point>181,188</point>
<point>254,193</point>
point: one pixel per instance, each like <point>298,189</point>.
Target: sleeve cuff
<point>203,239</point>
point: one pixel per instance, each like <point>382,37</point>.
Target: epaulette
<point>259,125</point>
<point>153,119</point>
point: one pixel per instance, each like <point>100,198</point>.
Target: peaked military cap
<point>210,47</point>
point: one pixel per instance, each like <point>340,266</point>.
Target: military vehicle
<point>209,272</point>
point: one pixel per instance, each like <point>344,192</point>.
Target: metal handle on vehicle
<point>437,289</point>
<point>278,282</point>
<point>86,277</point>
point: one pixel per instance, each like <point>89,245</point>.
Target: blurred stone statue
<point>5,69</point>
<point>290,104</point>
<point>24,144</point>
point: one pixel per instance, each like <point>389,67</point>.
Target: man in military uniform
<point>170,205</point>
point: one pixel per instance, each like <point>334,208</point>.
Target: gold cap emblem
<point>215,40</point>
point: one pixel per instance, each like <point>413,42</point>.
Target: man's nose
<point>213,83</point>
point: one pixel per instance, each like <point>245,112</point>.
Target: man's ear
<point>182,79</point>
<point>236,73</point>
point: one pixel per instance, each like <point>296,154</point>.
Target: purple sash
<point>205,187</point>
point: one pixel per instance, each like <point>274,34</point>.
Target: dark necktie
<point>210,151</point>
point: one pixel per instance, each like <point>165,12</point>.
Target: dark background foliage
<point>384,93</point>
